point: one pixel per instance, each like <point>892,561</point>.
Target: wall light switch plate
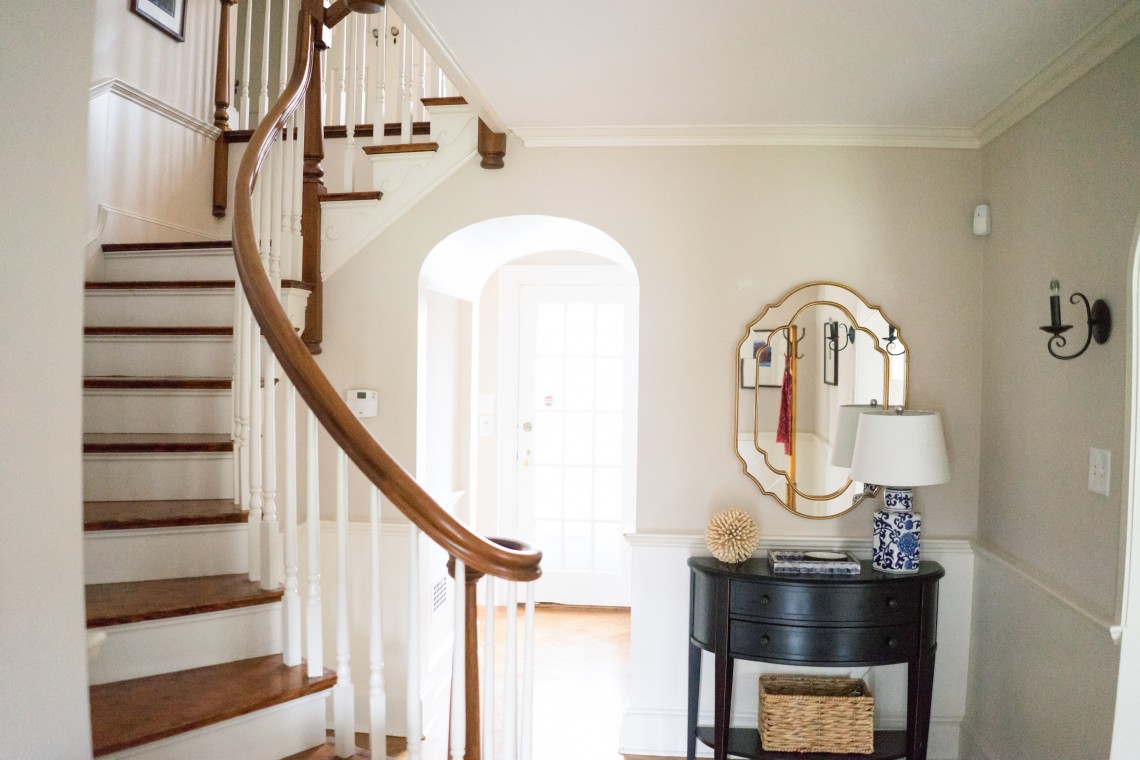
<point>1100,470</point>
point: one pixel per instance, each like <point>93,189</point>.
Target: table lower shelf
<point>745,742</point>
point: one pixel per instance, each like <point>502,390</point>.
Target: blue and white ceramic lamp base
<point>895,547</point>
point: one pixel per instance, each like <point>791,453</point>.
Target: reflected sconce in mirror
<point>1099,321</point>
<point>892,347</point>
<point>832,331</point>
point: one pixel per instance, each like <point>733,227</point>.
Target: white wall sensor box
<point>363,402</point>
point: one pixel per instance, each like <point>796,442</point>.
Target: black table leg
<point>920,689</point>
<point>723,712</point>
<point>694,698</point>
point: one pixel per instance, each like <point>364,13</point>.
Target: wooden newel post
<point>313,187</point>
<point>492,147</point>
<point>221,112</point>
<point>471,660</point>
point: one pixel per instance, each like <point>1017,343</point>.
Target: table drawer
<point>793,643</point>
<point>879,603</point>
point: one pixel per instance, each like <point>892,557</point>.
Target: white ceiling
<point>918,64</point>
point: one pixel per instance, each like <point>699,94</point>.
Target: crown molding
<point>155,105</point>
<point>735,135</point>
<point>1104,39</point>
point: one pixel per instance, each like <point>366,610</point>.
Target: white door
<point>576,442</point>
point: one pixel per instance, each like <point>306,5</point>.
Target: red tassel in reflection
<point>784,429</point>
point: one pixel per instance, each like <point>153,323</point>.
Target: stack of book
<point>795,561</point>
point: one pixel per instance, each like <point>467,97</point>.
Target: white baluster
<point>344,700</point>
<point>270,530</point>
<point>286,143</point>
<point>377,696</point>
<point>340,112</point>
<point>298,181</point>
<point>423,59</point>
<point>243,100</point>
<point>236,390</point>
<point>527,741</point>
<point>315,646</point>
<point>380,80</point>
<point>405,88</point>
<point>351,64</point>
<point>488,701</point>
<point>510,676</point>
<point>263,99</point>
<point>291,602</point>
<point>458,666</point>
<point>253,363</point>
<point>414,709</point>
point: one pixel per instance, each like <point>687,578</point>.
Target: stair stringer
<point>404,179</point>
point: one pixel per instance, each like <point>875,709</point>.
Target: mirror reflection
<point>820,347</point>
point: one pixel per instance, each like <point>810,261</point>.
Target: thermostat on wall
<point>363,402</point>
<point>982,219</point>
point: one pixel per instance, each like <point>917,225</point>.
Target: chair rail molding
<point>129,92</point>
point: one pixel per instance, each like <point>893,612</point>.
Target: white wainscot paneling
<point>655,718</point>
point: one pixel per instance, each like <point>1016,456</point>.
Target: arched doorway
<point>528,393</point>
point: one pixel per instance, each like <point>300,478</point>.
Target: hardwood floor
<point>581,675</point>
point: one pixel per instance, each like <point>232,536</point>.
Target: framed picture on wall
<point>764,362</point>
<point>167,15</point>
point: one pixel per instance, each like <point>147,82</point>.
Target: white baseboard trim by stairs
<point>137,650</point>
<point>268,734</point>
<point>662,732</point>
<point>119,556</point>
<point>156,105</point>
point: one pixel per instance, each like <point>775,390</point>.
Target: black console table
<point>746,611</point>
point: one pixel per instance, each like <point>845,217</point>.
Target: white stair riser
<point>119,556</point>
<point>160,307</point>
<point>136,650</point>
<point>157,411</point>
<point>169,265</point>
<point>197,356</point>
<point>268,734</point>
<point>123,477</point>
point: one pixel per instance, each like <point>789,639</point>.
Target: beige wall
<point>43,689</point>
<point>714,233</point>
<point>1065,194</point>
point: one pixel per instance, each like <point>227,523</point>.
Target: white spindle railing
<point>361,71</point>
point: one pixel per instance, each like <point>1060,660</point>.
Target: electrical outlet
<point>1100,470</point>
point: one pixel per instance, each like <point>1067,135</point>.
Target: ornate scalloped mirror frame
<point>872,362</point>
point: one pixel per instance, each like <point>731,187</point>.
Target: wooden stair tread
<point>158,284</point>
<point>363,195</point>
<point>455,100</point>
<point>192,245</point>
<point>126,714</point>
<point>382,150</point>
<point>136,601</point>
<point>129,443</point>
<point>336,131</point>
<point>157,382</point>
<point>151,330</point>
<point>133,515</point>
<point>327,751</point>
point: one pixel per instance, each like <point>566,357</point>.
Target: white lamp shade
<point>900,449</point>
<point>845,427</point>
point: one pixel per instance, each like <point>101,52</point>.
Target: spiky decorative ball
<point>731,535</point>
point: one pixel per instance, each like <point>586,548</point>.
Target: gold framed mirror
<point>820,347</point>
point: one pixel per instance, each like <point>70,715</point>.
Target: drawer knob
<point>892,643</point>
<point>764,600</point>
<point>893,604</point>
<point>765,640</point>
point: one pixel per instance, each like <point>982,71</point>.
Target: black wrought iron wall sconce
<point>1099,321</point>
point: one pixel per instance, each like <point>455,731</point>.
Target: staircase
<point>185,657</point>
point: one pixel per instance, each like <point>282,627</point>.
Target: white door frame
<point>1126,728</point>
<point>512,279</point>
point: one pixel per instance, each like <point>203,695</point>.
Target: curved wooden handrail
<point>377,465</point>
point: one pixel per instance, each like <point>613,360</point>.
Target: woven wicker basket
<point>816,714</point>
